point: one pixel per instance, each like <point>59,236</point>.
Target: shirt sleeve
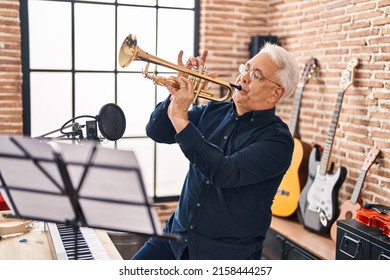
<point>262,160</point>
<point>160,128</point>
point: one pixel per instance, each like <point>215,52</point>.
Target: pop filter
<point>111,121</point>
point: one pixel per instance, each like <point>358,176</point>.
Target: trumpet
<point>129,52</point>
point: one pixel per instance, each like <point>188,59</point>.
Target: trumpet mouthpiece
<point>239,87</point>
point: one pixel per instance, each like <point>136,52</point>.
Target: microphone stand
<point>76,132</point>
<point>111,122</point>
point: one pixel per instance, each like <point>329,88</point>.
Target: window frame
<point>26,69</point>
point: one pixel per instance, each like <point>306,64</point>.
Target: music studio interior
<point>62,82</point>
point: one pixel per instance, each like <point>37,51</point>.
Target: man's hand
<point>197,62</point>
<point>181,100</point>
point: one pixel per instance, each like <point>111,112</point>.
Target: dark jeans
<point>157,249</point>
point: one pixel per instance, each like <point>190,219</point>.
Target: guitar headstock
<point>308,70</point>
<point>348,74</point>
<point>371,157</point>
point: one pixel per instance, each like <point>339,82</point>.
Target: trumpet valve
<point>153,77</point>
<point>158,80</point>
<point>145,71</point>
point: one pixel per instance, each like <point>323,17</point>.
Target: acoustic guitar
<point>349,208</point>
<point>286,199</point>
<point>318,202</point>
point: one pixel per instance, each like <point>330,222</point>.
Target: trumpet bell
<point>128,51</point>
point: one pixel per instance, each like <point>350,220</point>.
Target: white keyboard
<point>88,246</point>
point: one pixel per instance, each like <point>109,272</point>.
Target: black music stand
<point>80,185</point>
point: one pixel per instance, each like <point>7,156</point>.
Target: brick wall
<point>333,32</point>
<point>11,122</point>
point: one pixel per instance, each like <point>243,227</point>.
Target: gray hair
<point>289,75</point>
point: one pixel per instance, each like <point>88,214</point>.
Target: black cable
<point>73,133</point>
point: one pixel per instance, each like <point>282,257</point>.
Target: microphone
<point>111,121</point>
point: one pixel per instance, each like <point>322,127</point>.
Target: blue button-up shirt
<point>236,166</point>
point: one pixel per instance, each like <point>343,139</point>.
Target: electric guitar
<point>319,205</point>
<point>286,199</point>
<point>349,208</point>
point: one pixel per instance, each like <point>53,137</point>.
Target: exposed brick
<point>383,3</point>
<point>367,15</point>
<point>363,7</point>
<point>381,21</point>
<point>357,25</point>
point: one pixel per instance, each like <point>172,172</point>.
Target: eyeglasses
<point>254,74</point>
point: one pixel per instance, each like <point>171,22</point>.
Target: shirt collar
<point>256,116</point>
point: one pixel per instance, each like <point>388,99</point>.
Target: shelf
<point>319,245</point>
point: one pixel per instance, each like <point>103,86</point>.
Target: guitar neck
<point>370,159</point>
<point>295,108</point>
<point>358,186</point>
<point>331,134</point>
<point>310,65</point>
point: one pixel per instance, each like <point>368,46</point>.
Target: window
<point>70,68</point>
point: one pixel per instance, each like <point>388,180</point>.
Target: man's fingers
<point>180,58</point>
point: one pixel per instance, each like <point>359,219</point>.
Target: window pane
<point>50,35</point>
<point>177,3</point>
<point>136,98</point>
<point>138,2</point>
<point>169,46</point>
<point>102,1</point>
<point>172,167</point>
<point>142,23</point>
<point>162,93</point>
<point>94,37</point>
<point>51,102</point>
<point>92,91</point>
<point>144,151</point>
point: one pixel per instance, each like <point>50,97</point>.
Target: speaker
<point>257,42</point>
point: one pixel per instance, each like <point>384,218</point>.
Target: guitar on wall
<point>349,208</point>
<point>318,203</point>
<point>286,199</point>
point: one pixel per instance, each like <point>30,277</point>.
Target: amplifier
<point>357,241</point>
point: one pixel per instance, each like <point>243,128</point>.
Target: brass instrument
<point>129,52</point>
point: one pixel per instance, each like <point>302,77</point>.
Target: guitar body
<point>322,201</point>
<point>348,211</point>
<point>286,199</point>
<point>314,162</point>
